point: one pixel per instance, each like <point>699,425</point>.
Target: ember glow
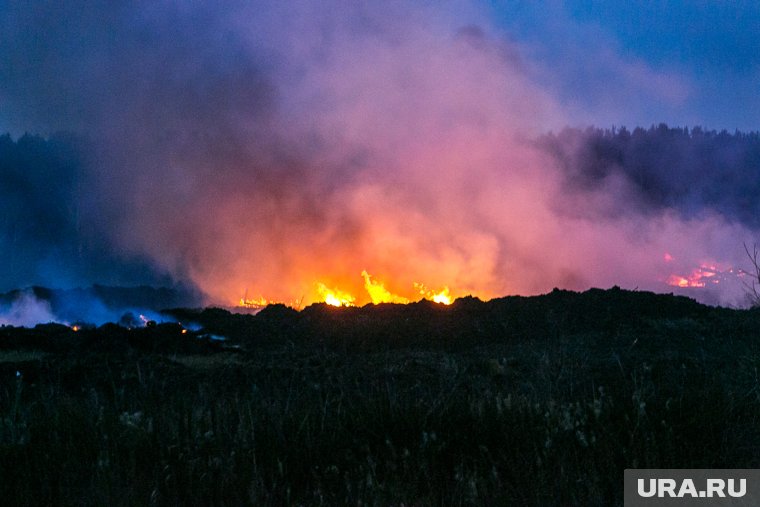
<point>694,280</point>
<point>699,277</point>
<point>261,302</point>
<point>706,275</point>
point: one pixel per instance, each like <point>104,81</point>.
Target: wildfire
<point>261,302</point>
<point>335,297</point>
<point>693,280</point>
<point>253,303</point>
<point>375,289</point>
<point>706,273</point>
<point>442,296</point>
<point>378,293</point>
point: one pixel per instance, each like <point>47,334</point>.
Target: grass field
<point>519,401</point>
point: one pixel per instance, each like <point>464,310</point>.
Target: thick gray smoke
<point>269,147</point>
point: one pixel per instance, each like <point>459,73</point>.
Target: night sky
<point>639,63</point>
<point>607,63</point>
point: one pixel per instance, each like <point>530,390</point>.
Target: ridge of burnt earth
<point>469,321</point>
<point>633,323</point>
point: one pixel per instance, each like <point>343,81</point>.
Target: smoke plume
<point>268,147</point>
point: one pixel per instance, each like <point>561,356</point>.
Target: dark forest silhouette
<point>689,170</point>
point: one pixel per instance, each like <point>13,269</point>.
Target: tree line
<point>688,170</point>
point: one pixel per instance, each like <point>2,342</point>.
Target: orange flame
<point>374,288</point>
<point>378,293</point>
<point>707,272</point>
<point>442,296</point>
<point>335,297</point>
<point>692,280</point>
<point>254,303</point>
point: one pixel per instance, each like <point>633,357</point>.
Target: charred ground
<point>522,400</point>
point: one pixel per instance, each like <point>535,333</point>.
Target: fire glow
<point>375,289</point>
<point>708,273</point>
